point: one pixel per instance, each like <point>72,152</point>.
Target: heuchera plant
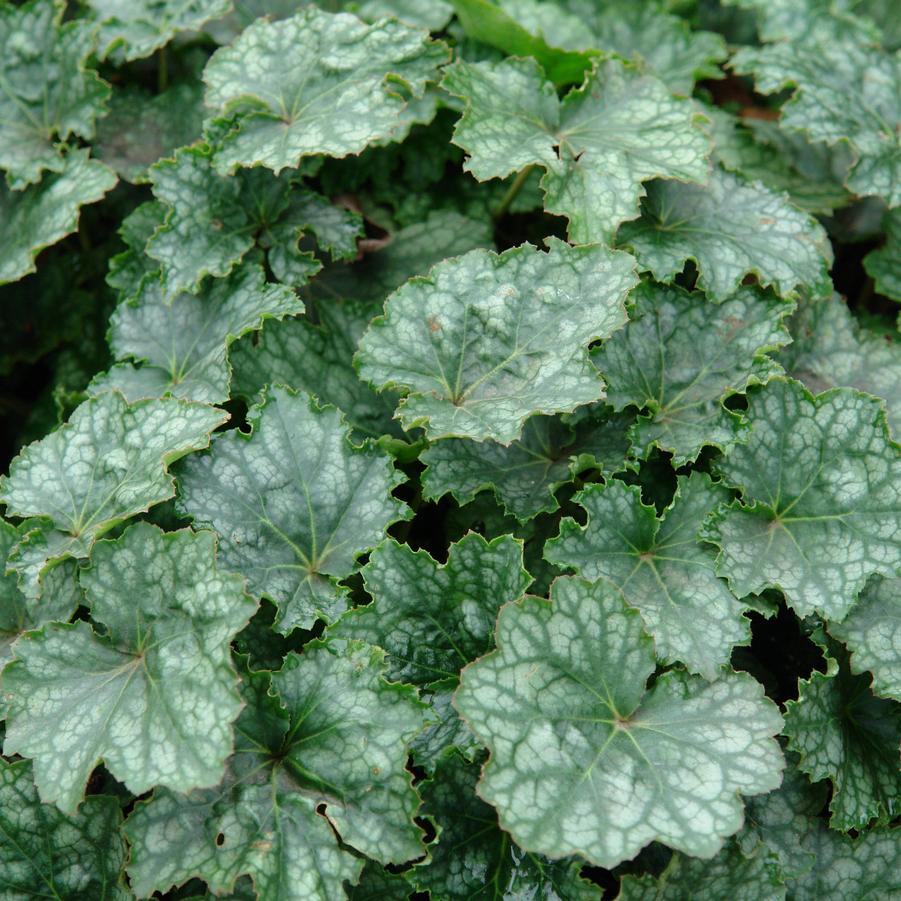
<point>450,449</point>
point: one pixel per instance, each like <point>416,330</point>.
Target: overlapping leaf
<point>814,860</point>
<point>153,698</point>
<point>679,357</point>
<point>181,346</point>
<point>661,568</point>
<point>315,84</point>
<point>294,503</point>
<point>597,146</point>
<point>140,128</point>
<point>829,349</point>
<point>19,613</point>
<point>608,765</point>
<point>106,464</point>
<point>872,633</point>
<point>433,619</point>
<point>823,75</point>
<point>473,858</point>
<point>326,753</point>
<point>43,213</point>
<point>821,490</point>
<point>884,263</point>
<point>556,33</point>
<point>524,475</point>
<point>811,174</point>
<point>132,29</point>
<point>47,96</point>
<point>487,340</point>
<point>47,853</point>
<point>213,221</point>
<point>318,359</point>
<point>411,250</point>
<point>731,874</point>
<point>730,229</point>
<point>845,734</point>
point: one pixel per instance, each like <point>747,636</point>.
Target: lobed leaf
<point>294,503</point>
<point>660,567</point>
<point>109,462</point>
<point>314,84</point>
<point>472,343</point>
<point>730,229</point>
<point>819,478</point>
<point>155,695</point>
<point>597,146</point>
<point>679,357</point>
<point>585,759</point>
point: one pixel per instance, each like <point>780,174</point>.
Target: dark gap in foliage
<point>736,93</point>
<point>602,878</point>
<point>779,655</point>
<point>236,408</point>
<point>358,596</point>
<point>656,478</point>
<point>264,646</point>
<point>734,402</point>
<point>513,229</point>
<point>688,277</point>
<point>193,888</point>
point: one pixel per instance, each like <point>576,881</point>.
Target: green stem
<point>512,191</point>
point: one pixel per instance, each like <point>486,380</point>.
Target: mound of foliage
<point>449,449</point>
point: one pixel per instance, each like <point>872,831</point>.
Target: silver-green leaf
<point>154,698</point>
<point>487,340</point>
<point>294,503</point>
<point>585,759</point>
